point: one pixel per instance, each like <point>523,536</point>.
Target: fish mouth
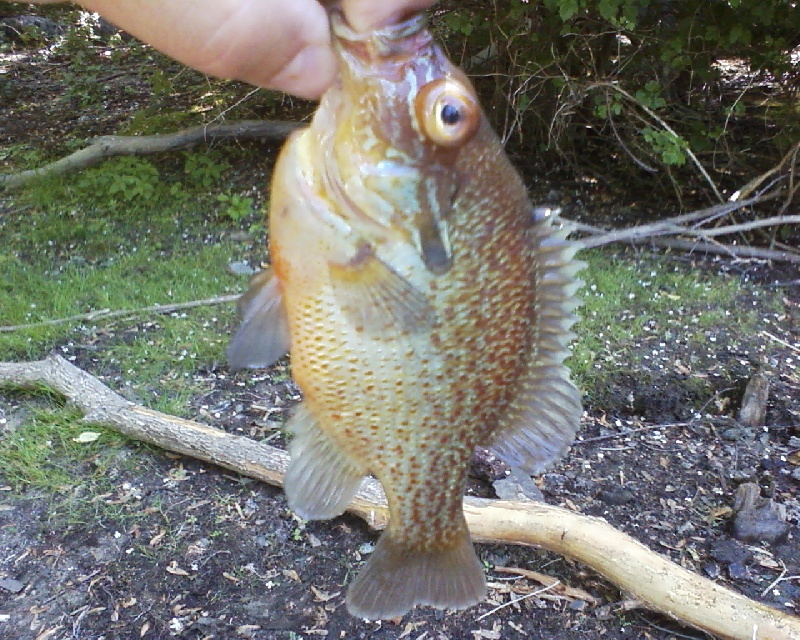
<point>399,40</point>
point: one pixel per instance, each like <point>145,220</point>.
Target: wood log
<point>658,583</point>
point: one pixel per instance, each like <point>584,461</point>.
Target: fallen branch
<point>696,237</point>
<point>662,585</point>
<point>737,252</point>
<point>110,146</point>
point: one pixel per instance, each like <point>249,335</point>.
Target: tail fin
<point>396,578</point>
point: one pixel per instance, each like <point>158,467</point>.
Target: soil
<point>182,549</point>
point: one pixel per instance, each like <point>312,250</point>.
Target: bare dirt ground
<point>181,549</point>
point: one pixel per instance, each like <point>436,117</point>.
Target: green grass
<point>157,353</point>
<point>628,302</point>
<point>124,236</point>
<point>47,453</point>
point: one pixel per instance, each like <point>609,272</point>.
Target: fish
<point>425,304</point>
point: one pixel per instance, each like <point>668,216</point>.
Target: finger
<point>364,15</point>
<point>281,44</point>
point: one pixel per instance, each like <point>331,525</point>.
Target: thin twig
<point>747,226</point>
<point>611,436</point>
<point>666,126</point>
<point>779,341</point>
<point>640,163</point>
<point>515,600</point>
<point>107,313</point>
<point>776,581</point>
<point>736,252</point>
<point>670,226</point>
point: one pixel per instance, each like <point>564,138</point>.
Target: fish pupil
<point>450,114</point>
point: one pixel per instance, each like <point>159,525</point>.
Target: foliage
<point>205,169</point>
<point>555,70</point>
<point>236,207</point>
<point>126,179</point>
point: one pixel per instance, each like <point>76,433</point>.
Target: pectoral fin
<point>375,297</point>
<point>263,336</point>
<point>541,422</point>
<point>320,480</point>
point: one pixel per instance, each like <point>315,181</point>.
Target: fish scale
<point>426,308</point>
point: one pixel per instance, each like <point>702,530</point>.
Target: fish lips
<point>394,43</point>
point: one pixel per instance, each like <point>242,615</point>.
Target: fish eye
<point>447,112</point>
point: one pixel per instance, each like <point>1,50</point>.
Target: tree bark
<point>659,583</point>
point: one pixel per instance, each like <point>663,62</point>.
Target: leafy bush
<point>644,76</point>
<point>126,179</point>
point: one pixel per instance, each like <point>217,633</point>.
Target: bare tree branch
<point>703,239</point>
<point>110,146</point>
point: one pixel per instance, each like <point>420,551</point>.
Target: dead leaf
<point>291,574</point>
<point>558,587</point>
<point>180,610</point>
<point>86,437</point>
<point>175,570</point>
<point>768,563</point>
<point>45,635</point>
<point>321,596</point>
<point>156,539</point>
<point>177,474</point>
<point>145,628</point>
<point>247,630</point>
<point>720,512</point>
<point>489,634</point>
<point>410,628</point>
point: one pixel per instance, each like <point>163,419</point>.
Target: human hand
<point>279,44</point>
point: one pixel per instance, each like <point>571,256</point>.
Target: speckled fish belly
<point>426,308</point>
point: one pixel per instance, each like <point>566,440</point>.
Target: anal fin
<point>263,336</point>
<point>396,578</point>
<point>540,424</point>
<point>375,297</point>
<point>320,480</point>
